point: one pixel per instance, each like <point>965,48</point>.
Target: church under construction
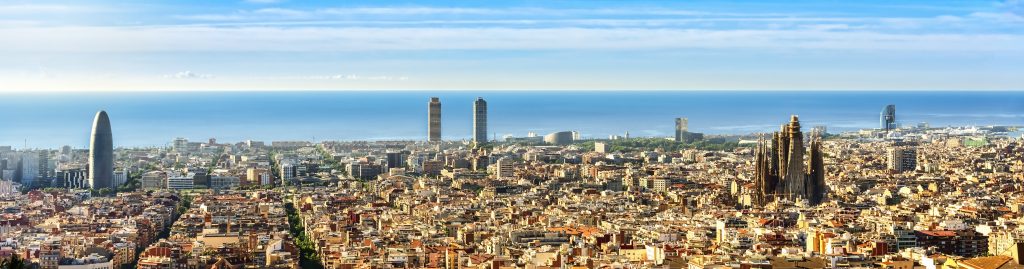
<point>781,171</point>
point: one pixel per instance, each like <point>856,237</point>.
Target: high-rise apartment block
<point>901,159</point>
<point>480,120</point>
<point>434,120</point>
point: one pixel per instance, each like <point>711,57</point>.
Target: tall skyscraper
<point>101,153</point>
<point>29,168</point>
<point>888,118</point>
<point>681,128</point>
<point>683,133</point>
<point>780,171</point>
<point>480,121</point>
<point>434,120</point>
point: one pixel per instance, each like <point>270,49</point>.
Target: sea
<point>144,119</point>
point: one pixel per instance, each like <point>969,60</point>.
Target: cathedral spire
<point>781,169</point>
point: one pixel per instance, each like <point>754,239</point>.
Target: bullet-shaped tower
<point>101,153</point>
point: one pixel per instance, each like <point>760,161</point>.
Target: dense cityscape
<point>899,196</point>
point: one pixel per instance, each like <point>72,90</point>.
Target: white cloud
<point>334,77</point>
<point>999,16</point>
<point>23,9</point>
<point>263,1</point>
<point>415,11</point>
<point>1015,7</point>
<point>312,39</point>
<point>281,12</point>
<point>188,75</point>
<point>211,17</point>
<point>516,13</point>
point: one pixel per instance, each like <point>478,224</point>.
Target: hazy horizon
<point>154,119</point>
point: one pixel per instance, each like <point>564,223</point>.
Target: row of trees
<point>14,262</point>
<point>308,257</point>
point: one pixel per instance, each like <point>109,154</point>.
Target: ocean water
<point>50,120</point>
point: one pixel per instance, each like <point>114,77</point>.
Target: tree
<point>14,262</point>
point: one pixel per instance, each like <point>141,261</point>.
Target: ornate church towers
<point>781,171</point>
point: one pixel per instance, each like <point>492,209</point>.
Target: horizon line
<point>530,90</point>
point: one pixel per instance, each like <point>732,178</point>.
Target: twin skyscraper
<point>479,120</point>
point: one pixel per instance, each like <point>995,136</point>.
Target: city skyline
<point>534,134</point>
<point>523,134</point>
<point>396,116</point>
<point>264,202</point>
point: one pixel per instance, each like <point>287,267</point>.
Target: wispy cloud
<point>263,1</point>
<point>417,11</point>
<point>283,12</point>
<point>1015,7</point>
<point>462,13</point>
<point>29,9</point>
<point>188,75</point>
<point>545,44</point>
<point>999,16</point>
<point>186,38</point>
<point>334,77</point>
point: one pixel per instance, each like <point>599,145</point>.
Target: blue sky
<point>530,45</point>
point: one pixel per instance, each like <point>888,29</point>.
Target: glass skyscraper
<point>480,120</point>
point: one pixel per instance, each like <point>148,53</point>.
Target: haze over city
<point>512,134</point>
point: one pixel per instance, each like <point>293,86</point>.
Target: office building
<point>683,133</point>
<point>780,171</point>
<point>434,120</point>
<point>559,138</point>
<point>394,159</point>
<point>29,168</point>
<point>101,153</point>
<point>288,172</point>
<point>363,170</point>
<point>258,176</point>
<point>480,121</point>
<point>180,183</point>
<point>120,177</point>
<point>505,168</point>
<point>180,144</point>
<point>224,182</point>
<point>600,147</point>
<point>966,243</point>
<point>888,118</point>
<point>44,165</point>
<point>154,180</point>
<point>75,179</point>
<point>682,126</point>
<point>901,159</point>
<point>660,184</point>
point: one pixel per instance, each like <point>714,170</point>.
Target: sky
<point>194,45</point>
